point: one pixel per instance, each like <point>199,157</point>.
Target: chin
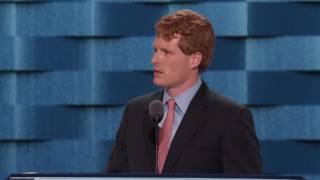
<point>159,83</point>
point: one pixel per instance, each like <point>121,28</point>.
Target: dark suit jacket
<point>215,136</point>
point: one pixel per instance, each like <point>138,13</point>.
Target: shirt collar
<point>184,99</point>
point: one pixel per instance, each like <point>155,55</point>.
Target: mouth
<point>157,72</point>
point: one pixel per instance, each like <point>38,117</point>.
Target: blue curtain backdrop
<point>67,68</point>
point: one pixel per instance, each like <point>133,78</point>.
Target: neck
<point>176,91</point>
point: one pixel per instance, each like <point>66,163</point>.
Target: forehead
<point>168,44</point>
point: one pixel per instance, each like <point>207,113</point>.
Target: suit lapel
<point>192,120</point>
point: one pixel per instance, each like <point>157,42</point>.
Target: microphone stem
<point>156,144</point>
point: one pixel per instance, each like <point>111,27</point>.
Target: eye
<point>166,52</point>
<point>155,50</point>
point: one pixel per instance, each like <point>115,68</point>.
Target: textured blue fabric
<point>282,88</point>
<point>222,81</point>
<point>67,68</point>
<point>286,154</point>
<point>289,122</point>
<point>283,18</point>
<point>283,54</point>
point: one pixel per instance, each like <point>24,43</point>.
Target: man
<point>201,131</point>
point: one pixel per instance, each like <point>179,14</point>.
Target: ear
<point>196,59</point>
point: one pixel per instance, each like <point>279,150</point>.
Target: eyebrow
<point>162,49</point>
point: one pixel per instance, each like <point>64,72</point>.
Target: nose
<point>155,58</point>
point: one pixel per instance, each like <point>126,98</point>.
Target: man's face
<point>171,65</point>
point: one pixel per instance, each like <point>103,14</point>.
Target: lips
<point>157,72</point>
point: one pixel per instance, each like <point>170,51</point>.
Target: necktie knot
<point>171,103</point>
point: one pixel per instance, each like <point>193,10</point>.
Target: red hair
<point>196,32</point>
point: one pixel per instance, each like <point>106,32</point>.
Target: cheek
<point>180,67</point>
<point>177,71</point>
<point>175,68</point>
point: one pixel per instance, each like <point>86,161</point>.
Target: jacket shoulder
<point>220,101</point>
<point>145,99</point>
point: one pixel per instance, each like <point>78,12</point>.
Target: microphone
<point>156,112</point>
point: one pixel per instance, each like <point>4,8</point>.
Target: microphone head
<point>156,110</point>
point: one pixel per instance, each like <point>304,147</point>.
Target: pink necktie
<point>165,135</point>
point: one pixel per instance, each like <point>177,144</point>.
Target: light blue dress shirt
<point>182,103</point>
